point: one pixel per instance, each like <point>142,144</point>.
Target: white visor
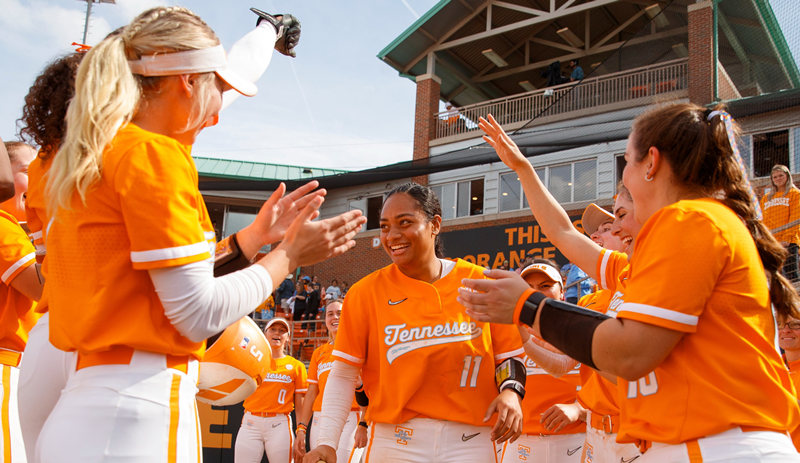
<point>548,270</point>
<point>193,62</point>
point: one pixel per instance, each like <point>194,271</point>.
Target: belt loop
<point>608,425</point>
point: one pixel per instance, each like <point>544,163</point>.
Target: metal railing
<point>625,86</point>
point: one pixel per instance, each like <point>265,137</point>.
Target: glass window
<point>770,149</point>
<point>560,183</point>
<point>510,192</point>
<point>237,218</point>
<point>374,205</point>
<point>476,197</point>
<point>585,184</point>
<point>448,201</point>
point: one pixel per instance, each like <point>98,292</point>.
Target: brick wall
<point>428,89</point>
<point>701,53</point>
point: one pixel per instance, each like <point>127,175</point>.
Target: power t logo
<point>403,434</point>
<point>523,452</point>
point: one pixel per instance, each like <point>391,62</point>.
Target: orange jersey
<point>781,209</point>
<point>318,369</point>
<point>597,394</point>
<point>36,213</point>
<point>145,212</point>
<point>276,393</point>
<point>419,352</point>
<point>544,392</point>
<point>794,374</point>
<point>17,316</point>
<point>695,269</point>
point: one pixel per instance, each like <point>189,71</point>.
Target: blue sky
<point>336,105</point>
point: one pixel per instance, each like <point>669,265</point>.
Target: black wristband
<point>363,423</point>
<point>570,328</point>
<point>514,386</point>
<point>229,257</point>
<point>529,308</point>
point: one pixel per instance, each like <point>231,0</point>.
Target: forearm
<point>304,411</point>
<point>336,403</point>
<point>250,56</point>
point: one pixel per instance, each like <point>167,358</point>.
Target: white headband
<point>191,62</point>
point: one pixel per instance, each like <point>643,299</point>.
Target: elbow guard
<point>570,328</point>
<point>361,397</point>
<point>229,257</point>
<point>511,374</point>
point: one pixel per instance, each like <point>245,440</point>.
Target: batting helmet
<point>234,364</point>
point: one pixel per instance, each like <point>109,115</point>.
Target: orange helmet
<point>234,364</point>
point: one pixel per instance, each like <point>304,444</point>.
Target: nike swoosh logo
<point>465,437</point>
<point>391,302</point>
<point>622,460</point>
<point>572,452</point>
<point>276,425</point>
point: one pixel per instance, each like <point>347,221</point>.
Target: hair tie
<point>710,114</point>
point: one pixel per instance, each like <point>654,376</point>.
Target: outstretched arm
<point>552,218</point>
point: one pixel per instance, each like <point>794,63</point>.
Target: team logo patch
<point>289,366</point>
<point>523,452</point>
<point>403,340</point>
<point>244,343</point>
<point>403,434</point>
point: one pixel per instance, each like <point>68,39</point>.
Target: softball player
<point>21,287</point>
<point>703,364</point>
<point>130,281</point>
<point>781,208</point>
<point>318,369</point>
<point>267,424</point>
<point>427,368</point>
<point>553,427</point>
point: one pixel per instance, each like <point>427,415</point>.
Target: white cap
<point>548,270</point>
<point>191,62</point>
<point>277,320</point>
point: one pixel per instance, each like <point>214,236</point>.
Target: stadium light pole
<point>89,13</point>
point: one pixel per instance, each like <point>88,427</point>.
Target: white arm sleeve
<point>552,362</point>
<point>250,57</point>
<point>199,305</point>
<point>336,401</point>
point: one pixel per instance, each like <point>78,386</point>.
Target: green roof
<point>249,170</point>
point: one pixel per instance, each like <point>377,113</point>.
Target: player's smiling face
<point>789,338</point>
<point>625,227</point>
<point>332,314</point>
<point>277,335</point>
<point>407,235</point>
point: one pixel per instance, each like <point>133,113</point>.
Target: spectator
<point>452,115</point>
<point>503,266</point>
<point>333,291</point>
<point>300,299</point>
<point>312,305</point>
<point>577,71</point>
<point>265,310</point>
<point>781,209</point>
<point>345,287</point>
<point>553,74</point>
<point>285,291</point>
<point>578,283</point>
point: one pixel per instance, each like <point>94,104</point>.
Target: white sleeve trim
<point>199,305</point>
<point>658,312</point>
<point>604,267</point>
<point>313,381</point>
<point>505,355</point>
<point>178,252</point>
<point>341,354</point>
<point>14,267</point>
<point>336,403</point>
<point>36,235</point>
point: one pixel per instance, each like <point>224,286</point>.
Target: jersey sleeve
<point>301,380</point>
<point>16,251</point>
<point>160,204</point>
<point>674,269</point>
<point>351,339</point>
<point>506,342</point>
<point>313,367</point>
<point>609,266</point>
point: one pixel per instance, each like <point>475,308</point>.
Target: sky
<point>335,106</point>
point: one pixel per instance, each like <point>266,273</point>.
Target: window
<point>567,183</point>
<point>374,205</point>
<point>619,161</point>
<point>236,218</point>
<point>461,199</point>
<point>769,149</point>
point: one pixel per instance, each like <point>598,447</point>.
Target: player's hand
<point>308,241</point>
<point>492,300</point>
<point>321,453</point>
<point>287,30</point>
<point>558,416</point>
<point>506,149</point>
<point>508,407</point>
<point>299,446</point>
<point>361,437</point>
<point>277,213</point>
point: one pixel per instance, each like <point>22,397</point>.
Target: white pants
<point>43,373</point>
<point>141,412</point>
<point>421,440</point>
<point>259,434</point>
<point>732,446</point>
<point>557,448</point>
<point>11,448</point>
<point>347,440</point>
<point>602,447</point>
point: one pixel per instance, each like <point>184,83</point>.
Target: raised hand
<point>506,149</point>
